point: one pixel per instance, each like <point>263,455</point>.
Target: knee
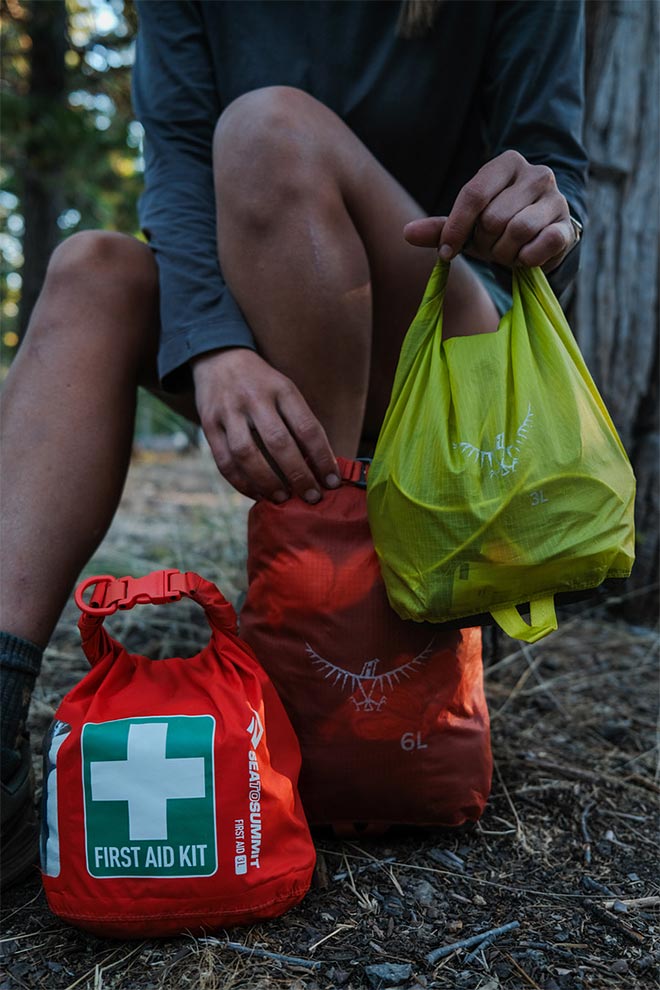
<point>270,152</point>
<point>100,297</point>
<point>266,124</point>
<point>95,260</point>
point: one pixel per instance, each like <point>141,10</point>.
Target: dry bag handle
<point>111,594</point>
<point>543,620</point>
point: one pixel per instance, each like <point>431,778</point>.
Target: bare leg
<point>67,420</point>
<point>310,241</point>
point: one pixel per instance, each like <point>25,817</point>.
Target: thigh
<point>380,208</point>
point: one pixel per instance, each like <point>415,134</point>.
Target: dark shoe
<point>19,828</point>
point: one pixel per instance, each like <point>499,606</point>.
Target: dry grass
<point>568,846</point>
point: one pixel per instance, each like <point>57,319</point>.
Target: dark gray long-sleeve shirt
<point>490,76</point>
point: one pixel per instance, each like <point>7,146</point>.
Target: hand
<point>265,439</point>
<point>510,213</point>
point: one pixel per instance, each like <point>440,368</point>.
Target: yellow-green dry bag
<point>498,478</point>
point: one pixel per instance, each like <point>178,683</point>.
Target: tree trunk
<point>40,198</point>
<point>615,310</point>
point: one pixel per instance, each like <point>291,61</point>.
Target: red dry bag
<point>390,714</point>
<point>170,786</point>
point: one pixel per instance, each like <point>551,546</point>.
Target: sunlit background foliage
<point>71,149</point>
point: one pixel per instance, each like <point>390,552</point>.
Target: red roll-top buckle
<point>111,593</point>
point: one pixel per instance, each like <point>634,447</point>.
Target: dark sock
<point>20,661</point>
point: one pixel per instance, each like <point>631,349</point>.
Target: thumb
<point>425,232</point>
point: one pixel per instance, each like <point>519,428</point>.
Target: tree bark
<point>40,199</point>
<point>615,309</point>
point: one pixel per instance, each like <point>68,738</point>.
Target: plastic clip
<point>111,594</point>
<point>355,472</point>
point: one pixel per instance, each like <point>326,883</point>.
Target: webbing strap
<point>543,620</point>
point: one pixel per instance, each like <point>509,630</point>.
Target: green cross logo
<point>149,789</point>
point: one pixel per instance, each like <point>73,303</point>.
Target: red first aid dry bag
<point>170,786</point>
<point>390,714</point>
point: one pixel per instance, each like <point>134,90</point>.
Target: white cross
<point>147,779</point>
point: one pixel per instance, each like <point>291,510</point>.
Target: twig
<point>454,896</point>
<point>585,833</point>
<point>520,683</point>
<point>343,874</point>
<point>173,961</point>
<point>642,837</point>
<point>563,953</point>
<point>466,878</point>
<point>362,899</point>
<point>533,665</point>
<point>467,943</point>
<point>504,662</point>
<point>597,888</point>
<point>93,969</point>
<point>395,882</point>
<point>624,814</point>
<point>570,957</point>
<point>131,954</point>
<point>338,930</point>
<point>639,756</point>
<point>578,773</point>
<point>16,938</point>
<point>480,948</point>
<point>637,778</point>
<point>633,902</point>
<point>249,950</point>
<point>525,975</point>
<point>520,831</point>
<point>20,981</point>
<point>602,915</point>
<point>27,904</point>
<point>375,862</point>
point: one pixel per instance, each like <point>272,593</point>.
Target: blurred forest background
<point>71,159</point>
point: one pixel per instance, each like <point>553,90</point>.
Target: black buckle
<point>364,463</point>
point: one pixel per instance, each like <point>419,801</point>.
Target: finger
<point>227,466</point>
<point>549,266</point>
<point>310,437</point>
<point>424,232</point>
<point>473,199</point>
<point>530,187</point>
<point>550,246</point>
<point>523,228</point>
<point>246,459</point>
<point>281,447</point>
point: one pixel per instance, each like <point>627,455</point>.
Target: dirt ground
<point>567,847</point>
